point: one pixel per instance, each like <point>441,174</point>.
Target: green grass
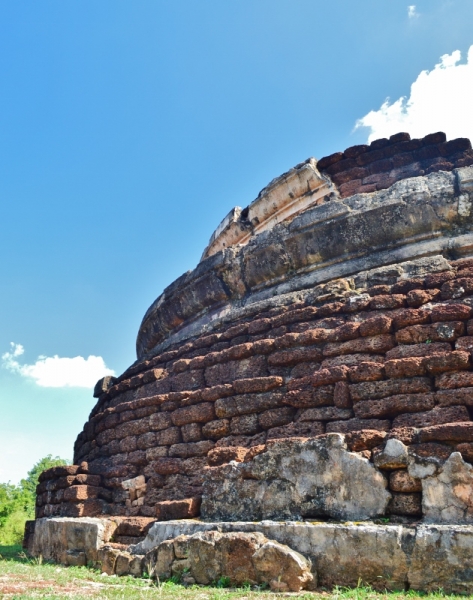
<point>22,577</point>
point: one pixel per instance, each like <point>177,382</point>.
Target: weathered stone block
<point>294,479</point>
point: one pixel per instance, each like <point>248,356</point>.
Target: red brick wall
<point>363,168</point>
<point>396,362</point>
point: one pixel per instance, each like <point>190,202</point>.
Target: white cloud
<point>412,11</point>
<point>440,100</point>
<point>56,372</point>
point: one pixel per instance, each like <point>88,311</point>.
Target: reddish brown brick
<point>466,451</point>
<point>349,187</point>
<point>303,429</point>
<point>189,380</point>
<point>394,405</point>
<point>221,373</point>
<point>381,389</point>
<point>416,298</point>
<point>288,340</point>
<point>366,439</point>
<point>146,440</point>
<point>169,510</point>
<point>247,404</point>
<point>449,432</point>
<point>457,288</point>
<point>406,435</point>
<point>375,326</point>
<point>245,425</point>
<point>218,391</point>
<point>169,436</point>
<point>191,449</point>
<point>313,336</point>
<point>328,376</point>
<point>325,413</point>
<point>160,420</point>
<point>320,396</point>
<point>77,493</point>
<point>357,424</point>
<point>216,429</point>
<point>401,481</point>
<point>352,360</point>
<point>430,450</point>
<point>452,361</point>
<point>410,316</point>
<point>437,332</point>
<point>257,384</point>
<point>348,331</point>
<point>450,312</point>
<point>405,367</point>
<point>181,365</point>
<point>167,466</point>
<point>433,417</point>
<point>405,504</point>
<point>454,397</point>
<point>415,350</point>
<point>366,371</point>
<point>379,343</point>
<point>263,346</point>
<point>221,456</point>
<point>292,357</point>
<point>436,280</point>
<point>295,316</point>
<point>451,381</point>
<point>326,161</point>
<point>276,417</point>
<point>259,325</point>
<point>465,343</point>
<point>198,413</point>
<point>192,432</point>
<point>407,285</point>
<point>341,395</point>
<point>387,302</point>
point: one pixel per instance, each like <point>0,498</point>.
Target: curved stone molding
<point>420,216</point>
<point>281,200</point>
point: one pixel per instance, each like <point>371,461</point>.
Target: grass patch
<point>22,577</point>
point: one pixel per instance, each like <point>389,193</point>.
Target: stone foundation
<point>395,557</point>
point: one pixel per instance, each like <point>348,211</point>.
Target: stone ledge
<point>398,557</point>
<point>415,217</point>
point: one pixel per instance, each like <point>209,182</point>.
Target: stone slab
<point>398,557</point>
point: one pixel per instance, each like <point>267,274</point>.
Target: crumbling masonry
<point>315,365</point>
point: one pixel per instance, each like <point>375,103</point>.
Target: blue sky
<point>129,129</point>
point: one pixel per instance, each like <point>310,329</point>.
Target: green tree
<point>17,502</point>
<point>47,462</point>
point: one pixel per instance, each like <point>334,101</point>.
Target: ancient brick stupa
<point>315,365</point>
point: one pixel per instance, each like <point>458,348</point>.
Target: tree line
<point>17,502</point>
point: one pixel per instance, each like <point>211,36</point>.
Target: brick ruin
<point>339,301</point>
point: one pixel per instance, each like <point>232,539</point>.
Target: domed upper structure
<point>339,301</point>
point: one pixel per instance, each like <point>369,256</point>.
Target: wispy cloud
<point>57,372</point>
<point>440,100</point>
<point>412,11</point>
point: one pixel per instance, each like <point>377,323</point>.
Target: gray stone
<point>275,562</point>
<point>158,561</point>
<point>55,538</point>
<point>343,555</point>
<point>441,559</point>
<point>393,456</point>
<point>205,557</point>
<point>296,479</point>
<point>447,497</point>
<point>240,557</point>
